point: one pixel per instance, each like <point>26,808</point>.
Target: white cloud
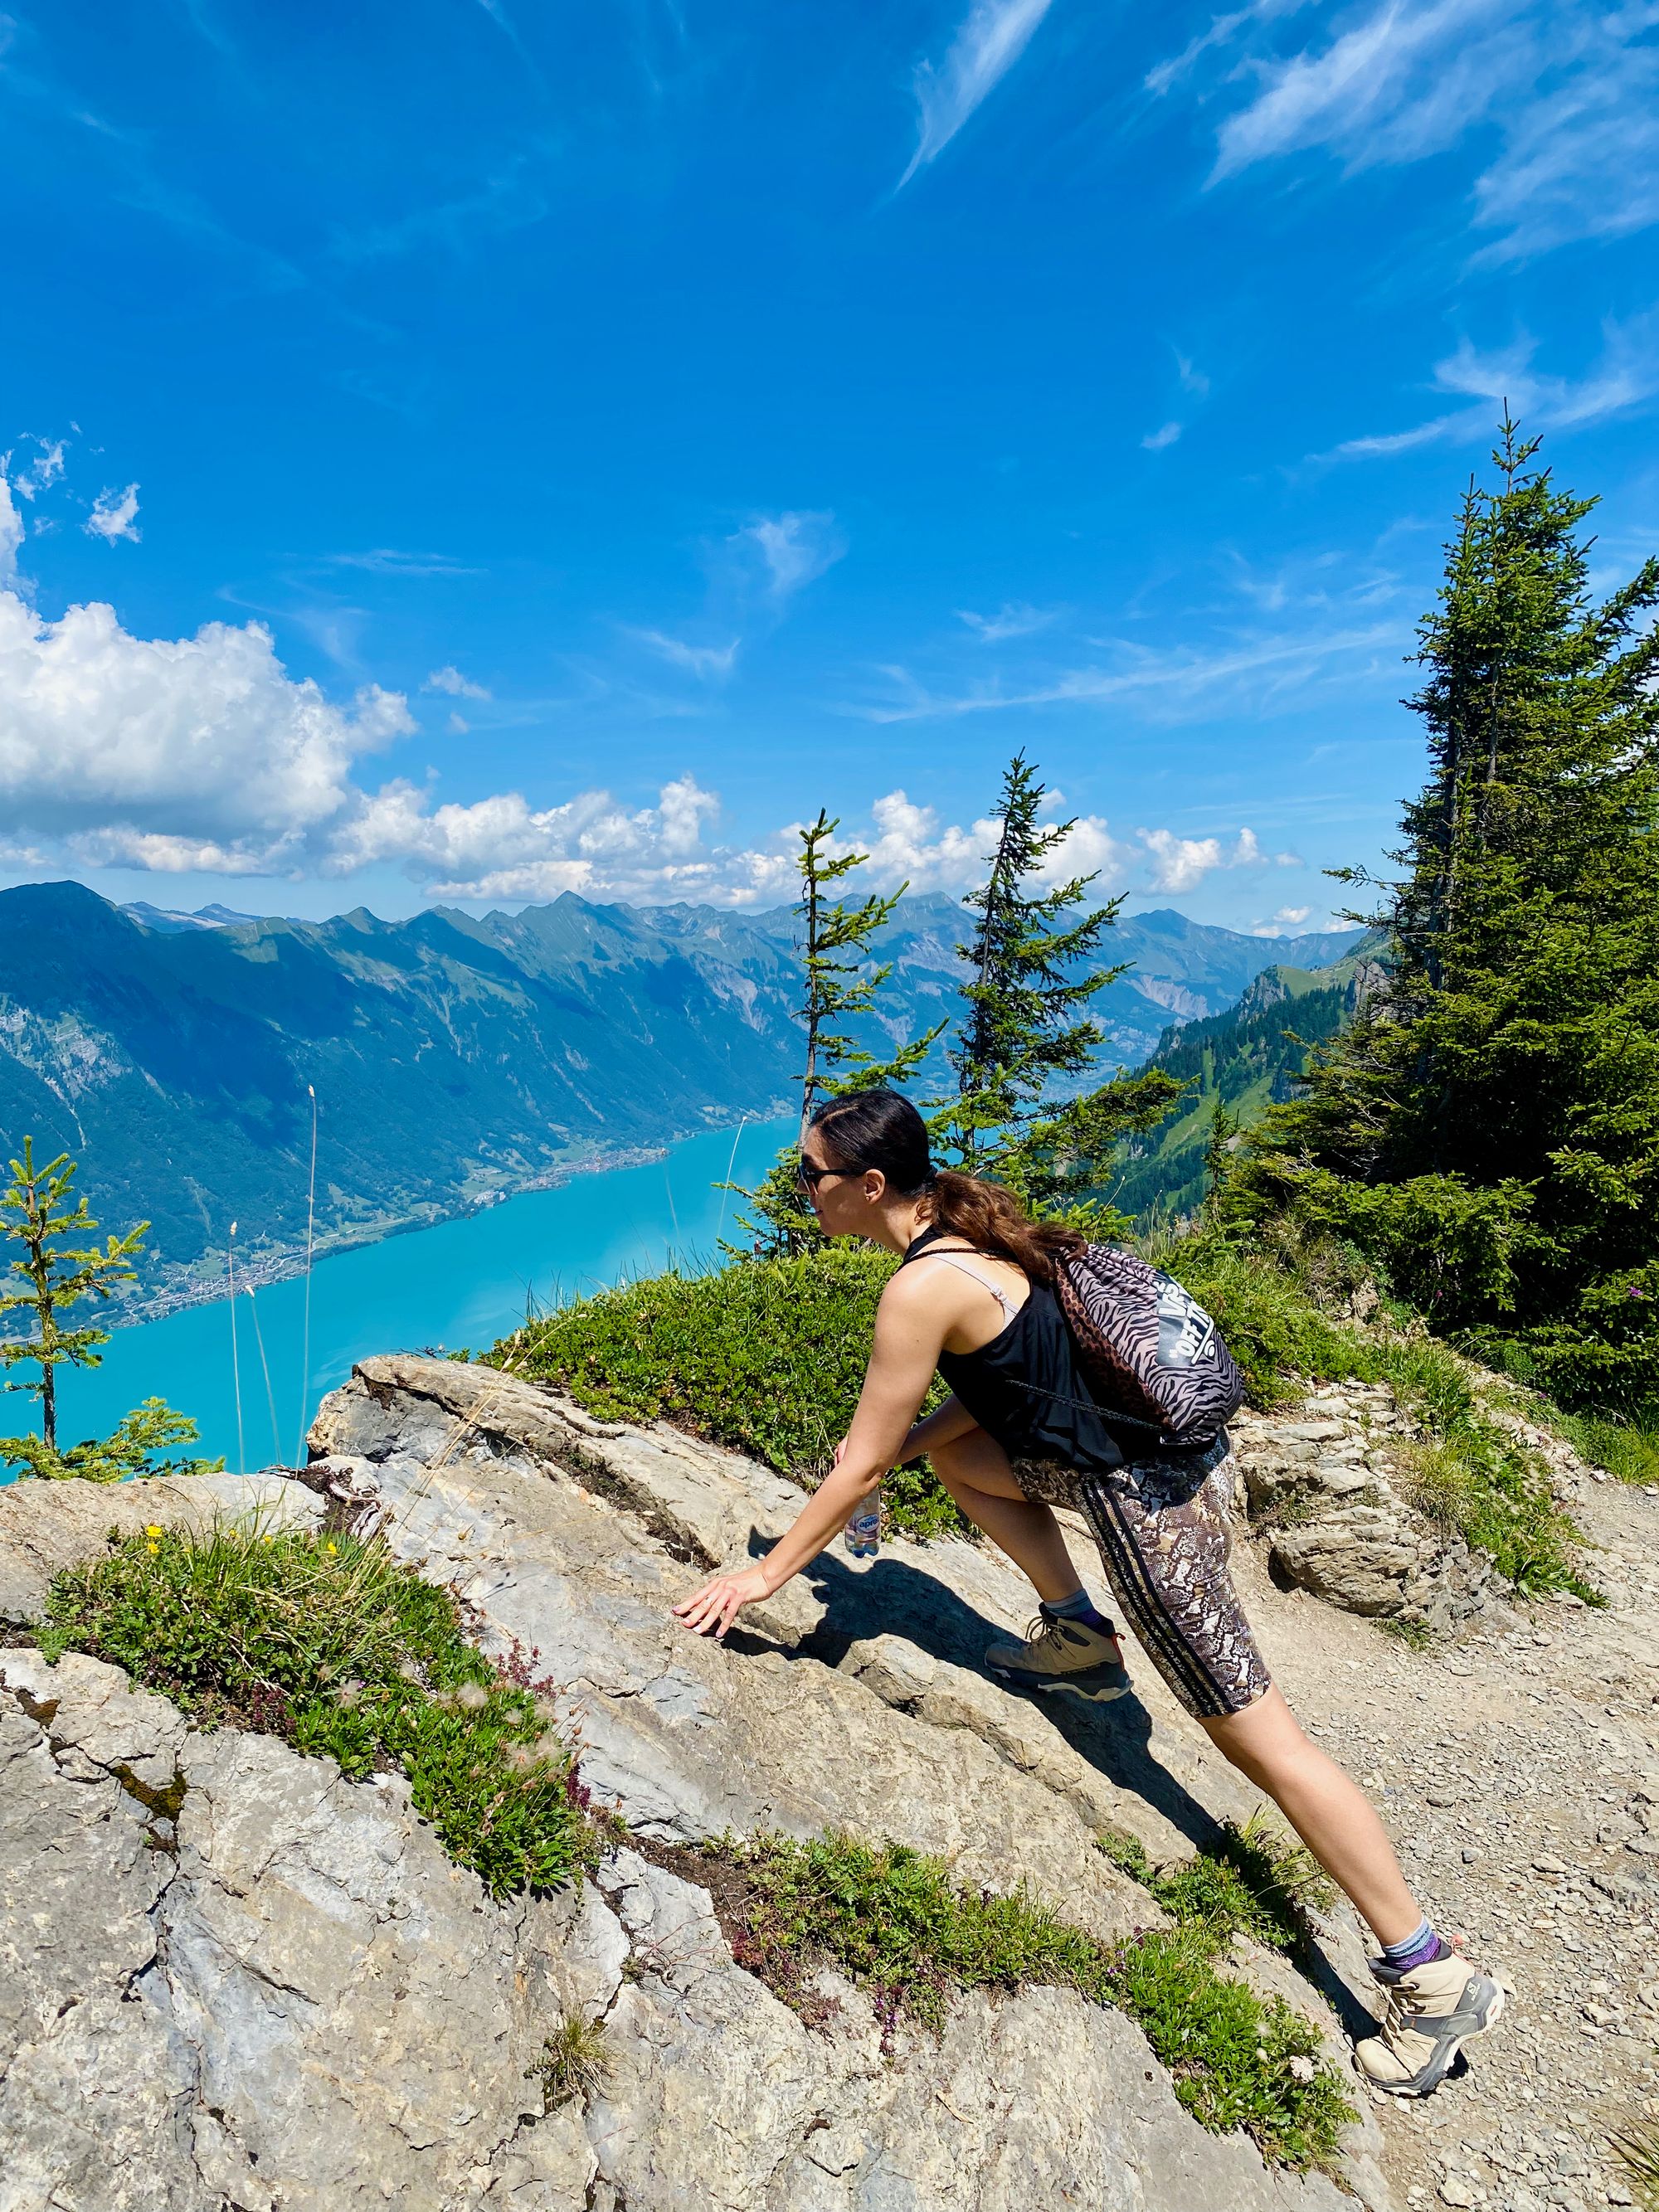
<point>1222,31</point>
<point>43,471</point>
<point>115,515</point>
<point>1262,669</point>
<point>792,549</point>
<point>1192,379</point>
<point>1626,376</point>
<point>11,532</point>
<point>988,42</point>
<point>1014,618</point>
<point>1180,863</point>
<point>388,561</point>
<point>449,678</point>
<point>702,661</point>
<point>1155,440</point>
<point>1286,922</point>
<point>117,742</point>
<point>458,725</point>
<point>908,843</point>
<point>502,847</point>
<point>1570,92</point>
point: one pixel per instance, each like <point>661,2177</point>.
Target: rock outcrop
<point>232,1979</point>
<point>1327,1489</point>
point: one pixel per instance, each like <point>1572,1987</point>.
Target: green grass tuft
<point>332,1645</point>
<point>767,1355</point>
<point>573,2063</point>
<point>1637,2149</point>
<point>1257,1883</point>
<point>894,1923</point>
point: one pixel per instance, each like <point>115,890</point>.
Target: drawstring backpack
<point>1152,1357</point>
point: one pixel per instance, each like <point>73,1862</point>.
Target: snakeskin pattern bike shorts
<point>1164,1525</point>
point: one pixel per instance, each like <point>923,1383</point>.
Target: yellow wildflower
<point>153,1529</point>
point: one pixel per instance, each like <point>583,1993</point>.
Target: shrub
<point>332,1645</point>
<point>1256,1883</point>
<point>894,1921</point>
<point>765,1355</point>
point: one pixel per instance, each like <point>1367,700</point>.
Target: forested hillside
<point>1243,1061</point>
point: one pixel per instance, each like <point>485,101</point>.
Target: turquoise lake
<point>463,1283</point>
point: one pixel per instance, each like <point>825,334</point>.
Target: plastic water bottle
<point>863,1537</point>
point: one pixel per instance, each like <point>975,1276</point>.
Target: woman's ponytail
<point>992,1220</point>
<point>880,1129</point>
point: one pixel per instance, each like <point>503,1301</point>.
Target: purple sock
<point>1081,1608</point>
<point>1420,1949</point>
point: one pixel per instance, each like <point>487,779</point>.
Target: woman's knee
<point>975,1461</point>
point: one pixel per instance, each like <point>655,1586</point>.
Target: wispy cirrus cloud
<point>703,661</point>
<point>1626,377</point>
<point>987,42</point>
<point>1264,669</point>
<point>388,561</point>
<point>791,549</point>
<point>1571,94</point>
<point>1013,618</point>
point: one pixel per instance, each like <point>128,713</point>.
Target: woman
<point>1020,1435</point>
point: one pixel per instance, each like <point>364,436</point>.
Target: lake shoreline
<point>258,1269</point>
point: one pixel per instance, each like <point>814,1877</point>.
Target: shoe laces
<point>1044,1631</point>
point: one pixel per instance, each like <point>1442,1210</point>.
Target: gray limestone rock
<point>1338,1519</point>
<point>44,1526</point>
<point>230,1978</point>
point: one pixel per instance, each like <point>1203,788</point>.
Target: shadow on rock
<point>895,1598</point>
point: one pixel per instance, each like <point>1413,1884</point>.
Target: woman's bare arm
<point>911,1324</point>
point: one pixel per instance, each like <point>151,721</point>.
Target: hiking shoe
<point>1062,1655</point>
<point>1432,2011</point>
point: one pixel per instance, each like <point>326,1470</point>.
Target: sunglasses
<point>809,1177</point>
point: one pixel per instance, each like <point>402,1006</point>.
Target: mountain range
<point>454,1058</point>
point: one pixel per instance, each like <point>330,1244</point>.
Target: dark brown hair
<point>880,1129</point>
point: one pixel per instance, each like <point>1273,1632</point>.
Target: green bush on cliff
<point>893,1921</point>
<point>331,1644</point>
<point>766,1355</point>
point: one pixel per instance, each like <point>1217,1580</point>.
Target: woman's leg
<point>975,1469</point>
<point>1331,1814</point>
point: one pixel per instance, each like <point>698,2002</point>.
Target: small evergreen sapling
<point>38,1211</point>
<point>837,935</point>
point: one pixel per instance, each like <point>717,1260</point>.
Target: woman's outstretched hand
<point>711,1610</point>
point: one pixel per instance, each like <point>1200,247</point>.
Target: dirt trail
<point>1517,1768</point>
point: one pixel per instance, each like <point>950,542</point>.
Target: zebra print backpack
<point>1152,1357</point>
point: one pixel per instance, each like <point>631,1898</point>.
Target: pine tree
<point>59,1273</point>
<point>1489,1128</point>
<point>1024,1029</point>
<point>840,985</point>
<point>837,935</point>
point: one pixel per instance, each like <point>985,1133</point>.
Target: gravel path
<point>1517,1768</point>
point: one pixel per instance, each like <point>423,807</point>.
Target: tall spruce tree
<point>1489,1128</point>
<point>1024,1022</point>
<point>1025,1029</point>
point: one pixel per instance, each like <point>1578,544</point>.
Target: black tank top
<point>1023,1386</point>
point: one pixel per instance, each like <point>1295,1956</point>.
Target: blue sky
<point>471,449</point>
